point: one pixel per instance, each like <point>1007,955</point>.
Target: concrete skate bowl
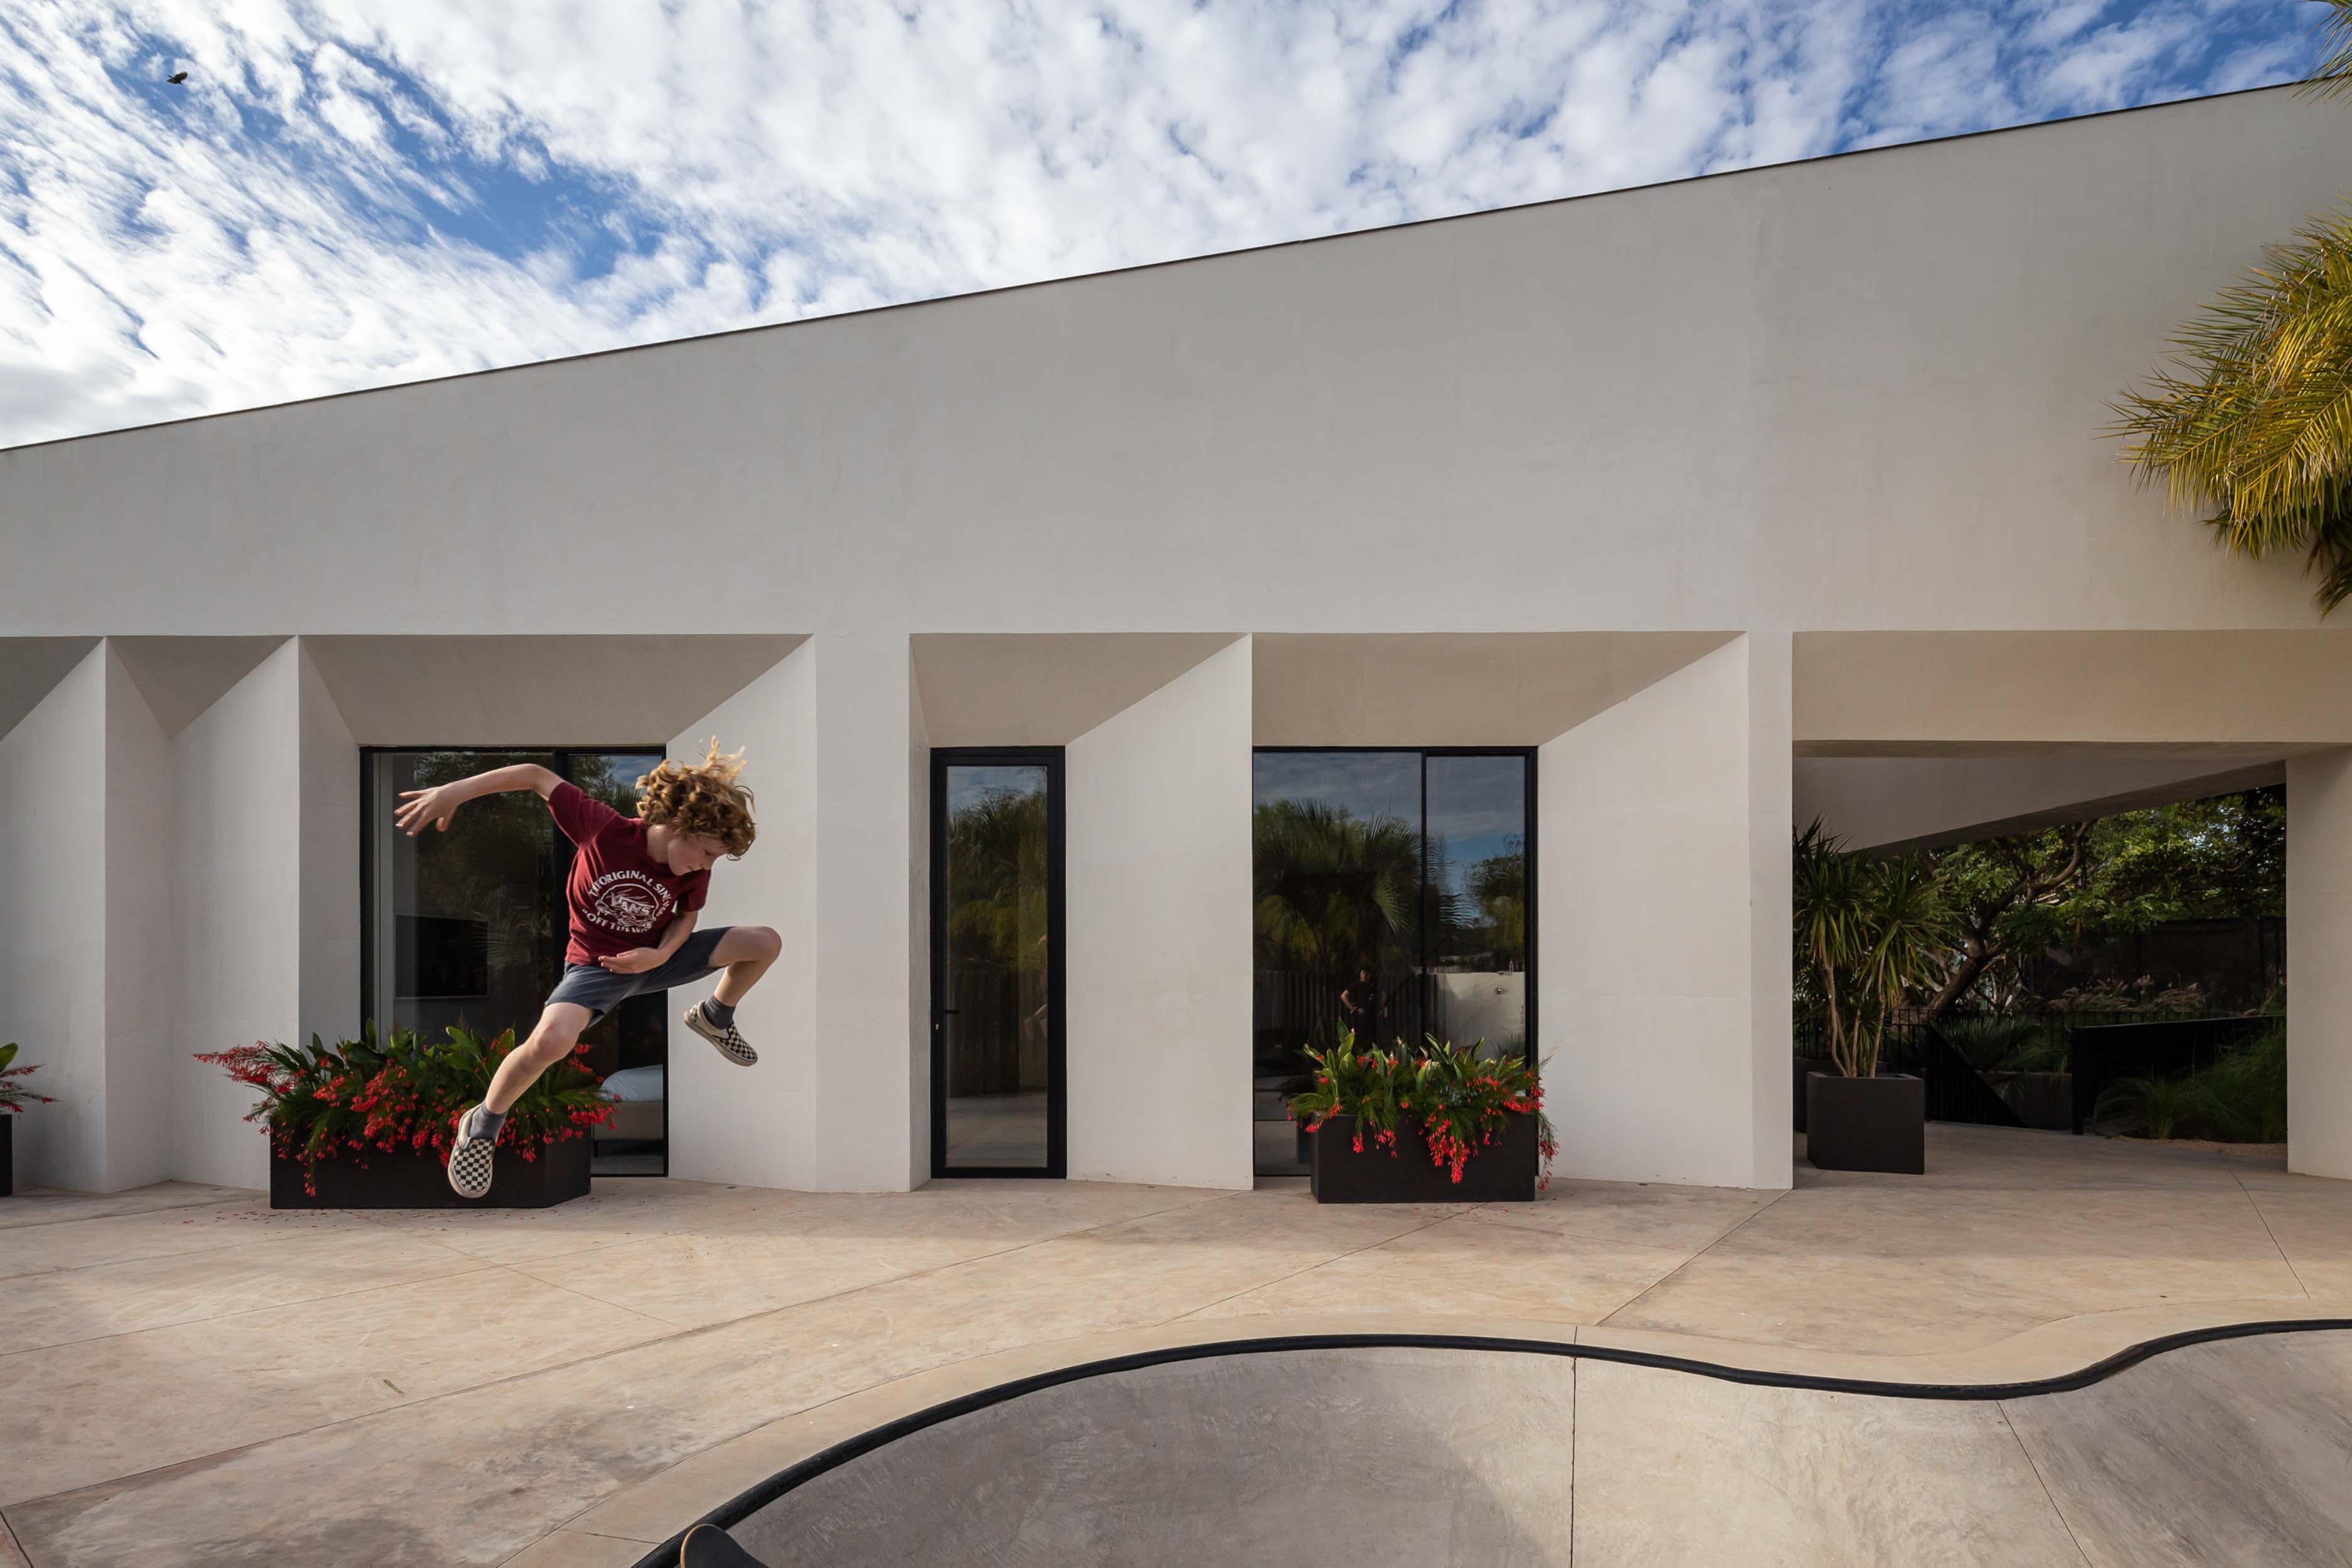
<point>2220,1445</point>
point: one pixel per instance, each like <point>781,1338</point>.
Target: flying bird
<point>176,78</point>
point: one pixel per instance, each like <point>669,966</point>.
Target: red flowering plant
<point>12,1096</point>
<point>401,1095</point>
<point>1457,1098</point>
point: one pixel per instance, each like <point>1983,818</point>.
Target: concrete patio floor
<point>188,1374</point>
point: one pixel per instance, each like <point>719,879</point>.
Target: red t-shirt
<point>620,896</point>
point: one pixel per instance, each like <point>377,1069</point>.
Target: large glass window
<point>467,927</point>
<point>1393,897</point>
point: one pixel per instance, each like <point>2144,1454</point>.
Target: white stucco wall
<point>1663,930</point>
<point>2318,978</point>
<point>53,926</point>
<point>1158,851</point>
<point>238,834</point>
<point>1480,424</point>
<point>757,1127</point>
<point>1872,802</point>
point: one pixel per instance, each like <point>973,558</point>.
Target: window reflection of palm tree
<point>997,852</point>
<point>1334,912</point>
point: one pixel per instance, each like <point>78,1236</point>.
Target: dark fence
<point>2167,1048</point>
<point>2236,962</point>
<point>1956,1092</point>
<point>2089,1051</point>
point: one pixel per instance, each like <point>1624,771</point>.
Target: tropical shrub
<point>401,1094</point>
<point>1458,1097</point>
<point>13,1096</point>
<point>2239,1098</point>
<point>2006,1042</point>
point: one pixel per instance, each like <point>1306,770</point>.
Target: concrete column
<point>1664,926</point>
<point>1158,855</point>
<point>870,1047</point>
<point>328,778</point>
<point>141,940</point>
<point>2319,964</point>
<point>758,1128</point>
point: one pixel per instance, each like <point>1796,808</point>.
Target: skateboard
<point>707,1546</point>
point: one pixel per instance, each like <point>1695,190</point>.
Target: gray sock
<point>486,1122</point>
<point>719,1013</point>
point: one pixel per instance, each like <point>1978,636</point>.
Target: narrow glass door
<point>996,968</point>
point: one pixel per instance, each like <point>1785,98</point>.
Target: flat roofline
<point>1149,266</point>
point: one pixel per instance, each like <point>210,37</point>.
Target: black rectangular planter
<point>7,1153</point>
<point>1866,1124</point>
<point>1504,1172</point>
<point>419,1181</point>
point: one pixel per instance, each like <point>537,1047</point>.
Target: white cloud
<point>350,193</point>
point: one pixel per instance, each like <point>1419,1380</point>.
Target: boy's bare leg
<point>557,1033</point>
<point>472,1153</point>
<point>745,953</point>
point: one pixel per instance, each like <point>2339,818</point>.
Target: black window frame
<point>1058,1092</point>
<point>1529,1047</point>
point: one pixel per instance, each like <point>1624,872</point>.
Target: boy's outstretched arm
<point>435,806</point>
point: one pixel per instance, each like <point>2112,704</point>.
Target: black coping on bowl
<point>743,1506</point>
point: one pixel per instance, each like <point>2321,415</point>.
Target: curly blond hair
<point>705,800</point>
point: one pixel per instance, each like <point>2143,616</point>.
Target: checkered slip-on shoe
<point>469,1159</point>
<point>728,1043</point>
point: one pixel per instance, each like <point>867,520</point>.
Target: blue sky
<point>357,193</point>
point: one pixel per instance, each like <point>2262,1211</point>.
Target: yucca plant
<point>1868,931</point>
<point>14,1097</point>
<point>2251,421</point>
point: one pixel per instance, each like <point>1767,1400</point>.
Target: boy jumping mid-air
<point>635,880</point>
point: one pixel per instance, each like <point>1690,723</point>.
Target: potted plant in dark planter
<point>1372,1116</point>
<point>367,1123</point>
<point>1868,930</point>
<point>14,1097</point>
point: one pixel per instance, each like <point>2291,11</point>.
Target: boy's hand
<point>635,961</point>
<point>437,806</point>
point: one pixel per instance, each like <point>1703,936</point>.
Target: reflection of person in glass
<point>634,895</point>
<point>1360,1006</point>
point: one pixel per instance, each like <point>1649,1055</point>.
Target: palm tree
<point>2251,421</point>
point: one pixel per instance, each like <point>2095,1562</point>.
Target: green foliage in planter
<point>1868,933</point>
<point>13,1096</point>
<point>2238,1098</point>
<point>1459,1097</point>
<point>401,1094</point>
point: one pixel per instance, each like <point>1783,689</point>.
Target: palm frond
<point>2332,78</point>
<point>2251,419</point>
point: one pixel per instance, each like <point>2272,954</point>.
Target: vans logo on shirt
<point>628,902</point>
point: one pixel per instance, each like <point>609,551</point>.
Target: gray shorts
<point>600,990</point>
